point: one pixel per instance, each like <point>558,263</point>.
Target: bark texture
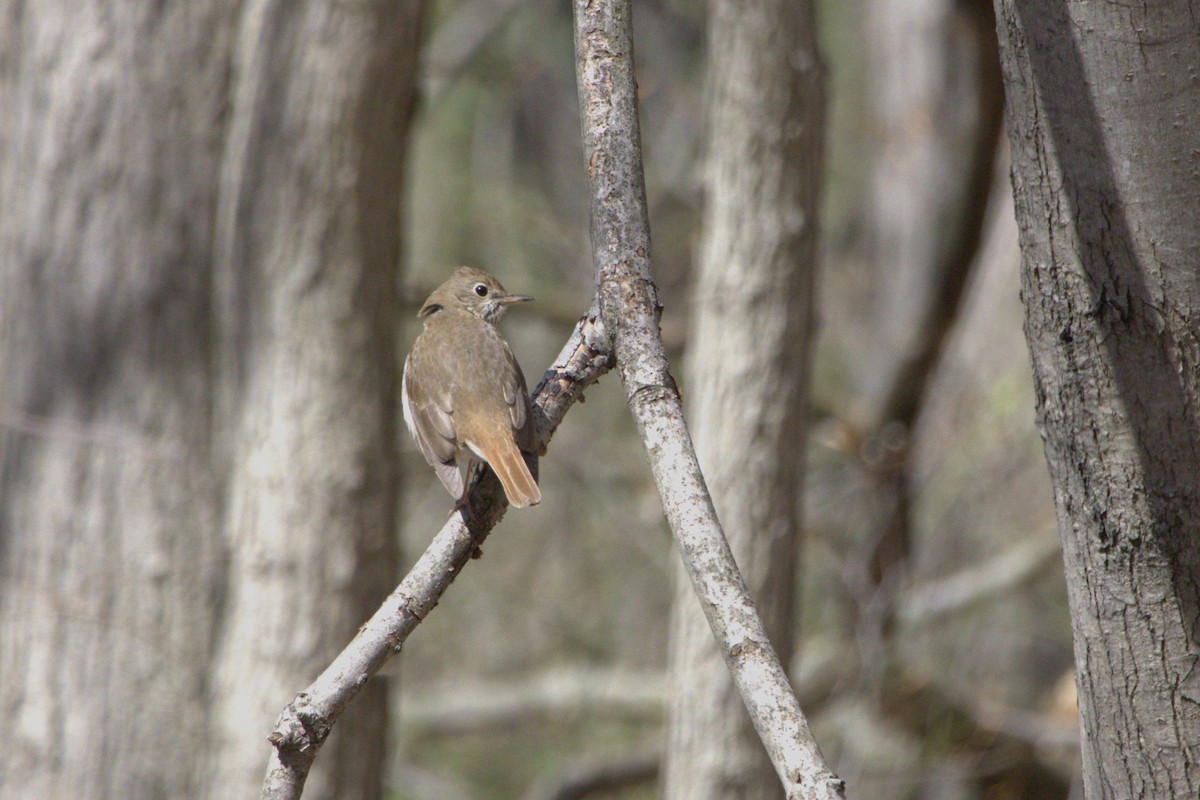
<point>1104,104</point>
<point>197,285</point>
<point>110,536</point>
<point>309,250</point>
<point>748,351</point>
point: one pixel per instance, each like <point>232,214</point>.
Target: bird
<point>464,395</point>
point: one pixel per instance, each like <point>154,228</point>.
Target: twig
<point>308,719</point>
<point>629,307</point>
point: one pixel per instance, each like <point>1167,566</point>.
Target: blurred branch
<point>308,719</point>
<point>952,272</point>
<point>905,395</point>
<point>553,695</point>
<point>978,583</point>
<point>592,777</point>
<point>1013,742</point>
<point>414,783</point>
<point>473,707</point>
<point>630,310</point>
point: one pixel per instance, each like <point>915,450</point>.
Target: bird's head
<point>474,291</point>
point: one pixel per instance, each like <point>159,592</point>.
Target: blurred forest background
<point>933,640</point>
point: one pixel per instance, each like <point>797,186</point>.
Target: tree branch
<point>630,310</point>
<point>621,326</point>
<point>905,396</point>
<point>460,706</point>
<point>308,719</point>
<point>978,583</point>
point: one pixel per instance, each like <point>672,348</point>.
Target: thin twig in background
<point>564,692</point>
<point>978,583</point>
<point>905,396</point>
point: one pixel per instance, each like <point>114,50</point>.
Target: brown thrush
<point>465,399</point>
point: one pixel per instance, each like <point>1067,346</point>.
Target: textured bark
<point>1104,105</point>
<point>748,351</point>
<point>309,249</point>
<point>110,539</point>
<point>629,309</point>
<point>197,279</point>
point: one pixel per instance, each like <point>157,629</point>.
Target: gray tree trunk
<point>309,247</point>
<point>1104,105</point>
<point>110,537</point>
<point>749,365</point>
<point>197,469</point>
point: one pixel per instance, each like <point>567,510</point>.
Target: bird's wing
<point>516,396</point>
<point>429,414</point>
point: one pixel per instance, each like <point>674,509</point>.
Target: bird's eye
<point>481,290</point>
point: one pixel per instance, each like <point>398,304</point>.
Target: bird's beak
<point>512,299</point>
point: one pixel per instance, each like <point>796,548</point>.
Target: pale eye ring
<point>481,289</point>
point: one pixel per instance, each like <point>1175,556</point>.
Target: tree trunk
<point>1104,106</point>
<point>110,536</point>
<point>749,351</point>
<point>309,249</point>
<point>197,258</point>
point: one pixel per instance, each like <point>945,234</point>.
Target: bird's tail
<point>505,458</point>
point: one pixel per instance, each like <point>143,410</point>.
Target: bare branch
<point>308,719</point>
<point>629,307</point>
<point>622,325</point>
<point>978,583</point>
<point>905,395</point>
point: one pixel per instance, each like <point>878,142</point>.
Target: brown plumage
<point>465,398</point>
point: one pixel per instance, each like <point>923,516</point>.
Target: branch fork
<point>619,330</point>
